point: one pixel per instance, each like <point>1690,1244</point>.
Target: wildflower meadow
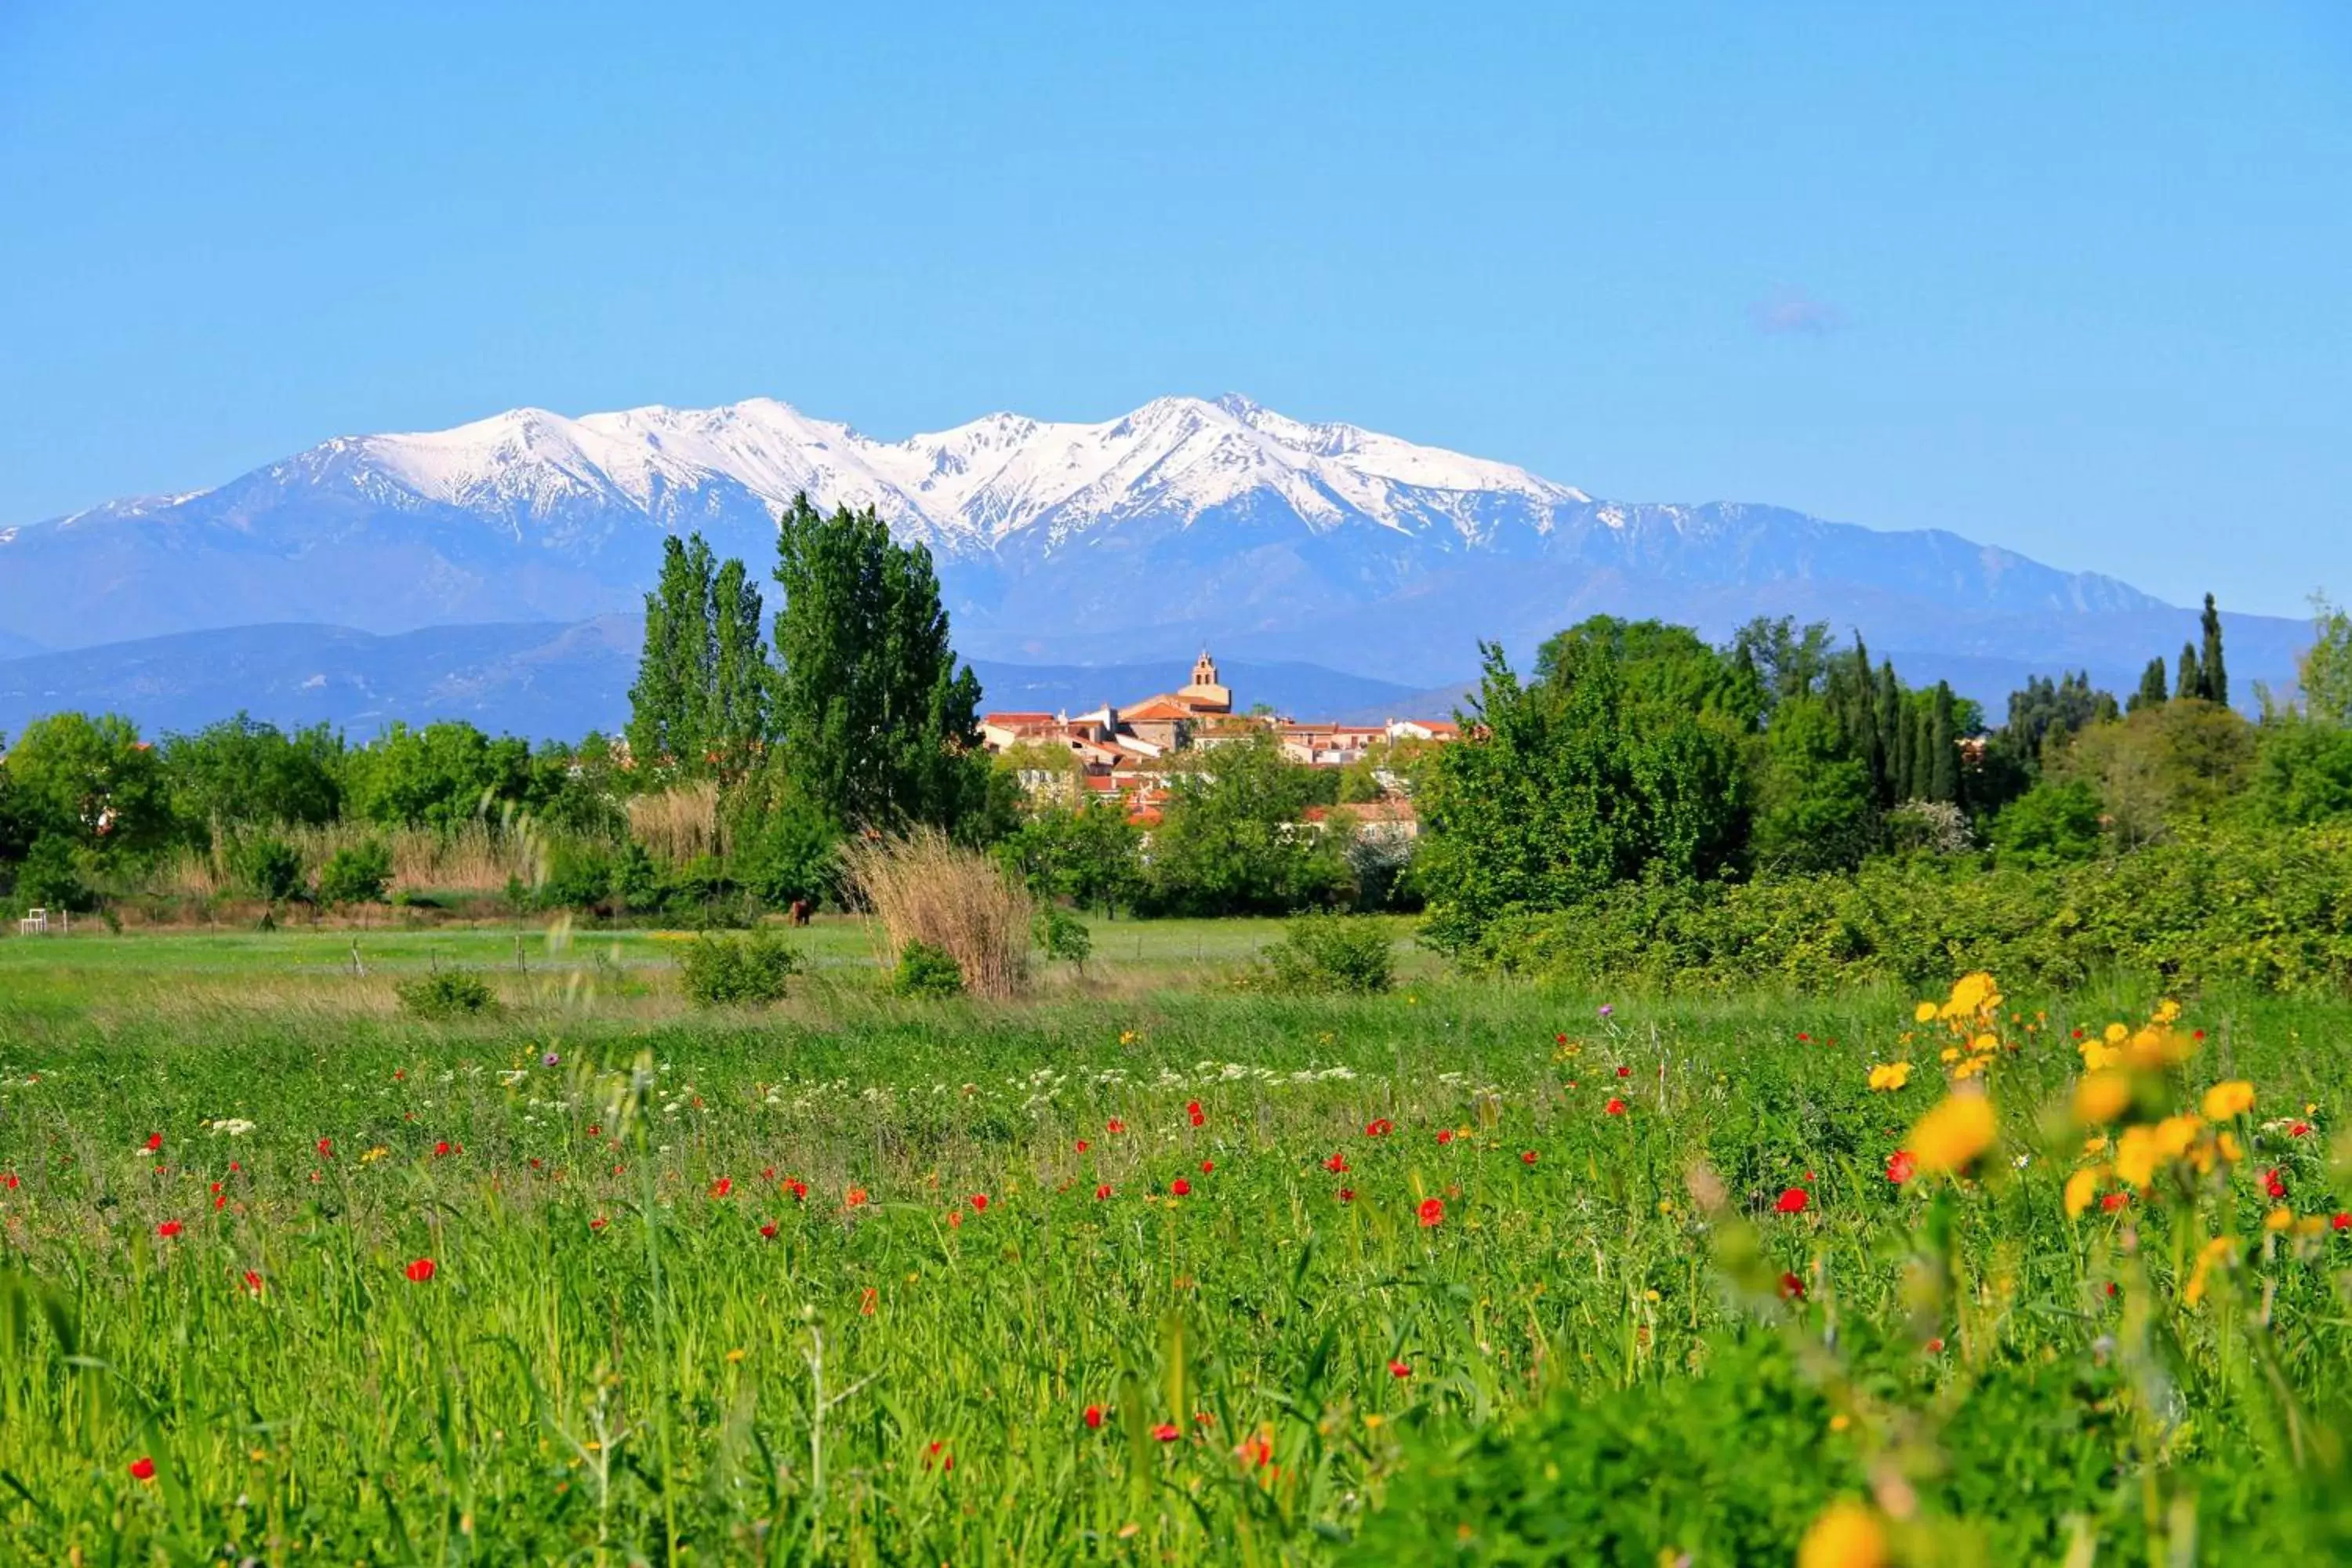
<point>1172,1273</point>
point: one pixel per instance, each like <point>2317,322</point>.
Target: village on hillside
<point>1124,753</point>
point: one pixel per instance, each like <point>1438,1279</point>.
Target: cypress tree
<point>1902,760</point>
<point>1889,726</point>
<point>1944,763</point>
<point>2214,682</point>
<point>2151,692</point>
<point>1870,746</point>
<point>2189,683</point>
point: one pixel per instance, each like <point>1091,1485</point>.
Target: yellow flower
<point>2278,1218</point>
<point>2215,1251</point>
<point>2098,1057</point>
<point>1949,1054</point>
<point>1969,1069</point>
<point>2227,1142</point>
<point>1887,1077</point>
<point>2136,1157</point>
<point>2081,1188</point>
<point>2116,1033</point>
<point>2174,1134</point>
<point>1953,1134</point>
<point>2166,1011</point>
<point>1846,1535</point>
<point>1972,994</point>
<point>2101,1098</point>
<point>1924,1013</point>
<point>2224,1100</point>
<point>1985,1043</point>
<point>2098,1145</point>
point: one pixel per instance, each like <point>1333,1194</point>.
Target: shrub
<point>271,868</point>
<point>957,901</point>
<point>1331,953</point>
<point>1062,935</point>
<point>356,874</point>
<point>50,877</point>
<point>718,971</point>
<point>448,994</point>
<point>927,971</point>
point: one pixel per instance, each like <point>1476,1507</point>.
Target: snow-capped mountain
<point>1184,519</point>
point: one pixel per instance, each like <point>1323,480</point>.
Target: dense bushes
<point>717,971</point>
<point>448,994</point>
<point>1329,953</point>
<point>2272,910</point>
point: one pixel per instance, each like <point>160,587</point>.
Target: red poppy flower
<point>421,1270</point>
<point>1193,1112</point>
<point>799,1190</point>
<point>1559,1039</point>
<point>955,1219</point>
<point>2199,1034</point>
<point>1934,1346</point>
<point>1082,1145</point>
<point>766,1172</point>
<point>2273,1183</point>
<point>1102,1191</point>
<point>1900,1166</point>
<point>723,1187</point>
<point>154,1142</point>
<point>441,1149</point>
<point>866,1300</point>
<point>1207,1166</point>
<point>1431,1212</point>
<point>1616,1106</point>
<point>252,1283</point>
<point>142,1469</point>
<point>1624,1072</point>
<point>1380,1127</point>
<point>1446,1135</point>
<point>8,1180</point>
<point>1793,1200</point>
<point>594,1131</point>
<point>1792,1287</point>
<point>221,1203</point>
<point>980,1203</point>
<point>1094,1417</point>
<point>2111,1201</point>
<point>855,1196</point>
<point>169,1228</point>
<point>1802,1035</point>
<point>1347,1194</point>
<point>1168,1431</point>
<point>1399,1369</point>
<point>1336,1163</point>
<point>2342,1221</point>
<point>1180,1187</point>
<point>1116,1125</point>
<point>599,1222</point>
<point>326,1148</point>
<point>2298,1129</point>
<point>769,1230</point>
<point>2078,1034</point>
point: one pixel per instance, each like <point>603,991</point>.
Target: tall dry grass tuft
<point>475,856</point>
<point>924,889</point>
<point>679,824</point>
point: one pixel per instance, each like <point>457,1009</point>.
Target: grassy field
<point>1146,1269</point>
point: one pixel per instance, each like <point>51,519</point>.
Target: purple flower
<point>1606,1009</point>
<point>549,1060</point>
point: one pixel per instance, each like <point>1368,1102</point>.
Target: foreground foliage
<point>1458,1274</point>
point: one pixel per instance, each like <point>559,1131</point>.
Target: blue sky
<point>2076,280</point>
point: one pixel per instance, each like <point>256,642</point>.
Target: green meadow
<point>1150,1267</point>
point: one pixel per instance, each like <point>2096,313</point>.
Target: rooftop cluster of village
<point>1124,752</point>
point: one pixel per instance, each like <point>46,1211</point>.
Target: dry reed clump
<point>475,856</point>
<point>922,888</point>
<point>678,825</point>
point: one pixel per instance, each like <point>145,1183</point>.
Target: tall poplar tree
<point>666,705</point>
<point>2191,682</point>
<point>2213,676</point>
<point>2151,692</point>
<point>879,723</point>
<point>1943,765</point>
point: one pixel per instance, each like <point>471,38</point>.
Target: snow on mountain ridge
<point>965,488</point>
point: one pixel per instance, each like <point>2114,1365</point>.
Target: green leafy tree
<point>700,706</point>
<point>2055,823</point>
<point>2183,763</point>
<point>1815,808</point>
<point>91,782</point>
<point>2151,692</point>
<point>2190,683</point>
<point>2324,669</point>
<point>1234,839</point>
<point>241,773</point>
<point>1943,748</point>
<point>356,874</point>
<point>1088,853</point>
<point>1573,785</point>
<point>438,776</point>
<point>1788,662</point>
<point>2303,774</point>
<point>879,719</point>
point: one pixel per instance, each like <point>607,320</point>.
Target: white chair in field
<point>35,923</point>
